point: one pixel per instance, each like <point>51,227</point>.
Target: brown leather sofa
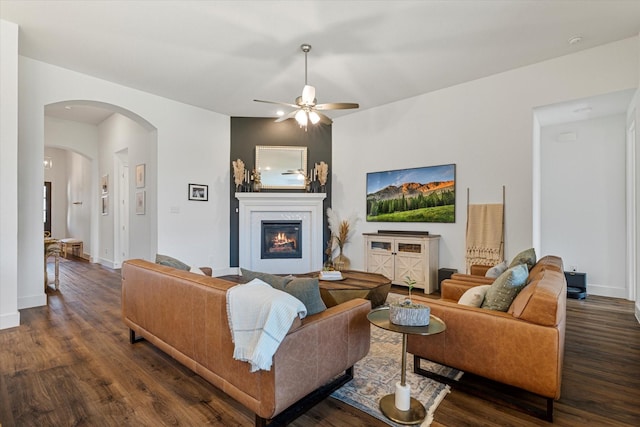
<point>523,347</point>
<point>185,315</point>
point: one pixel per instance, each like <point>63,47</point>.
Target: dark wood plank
<point>71,363</point>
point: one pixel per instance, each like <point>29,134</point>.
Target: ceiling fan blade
<point>337,106</point>
<point>287,116</point>
<point>324,119</point>
<point>277,103</point>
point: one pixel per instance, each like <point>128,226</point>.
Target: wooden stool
<point>72,244</point>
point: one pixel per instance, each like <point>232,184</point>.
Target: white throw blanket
<point>259,318</point>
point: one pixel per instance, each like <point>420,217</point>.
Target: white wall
<point>192,146</point>
<point>484,127</point>
<point>118,133</point>
<point>79,196</point>
<point>9,315</point>
<point>58,177</point>
<point>80,142</point>
<point>583,200</point>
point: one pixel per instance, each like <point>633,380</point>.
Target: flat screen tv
<point>426,194</point>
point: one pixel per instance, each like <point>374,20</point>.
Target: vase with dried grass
<point>341,233</point>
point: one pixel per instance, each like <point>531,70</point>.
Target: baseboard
<point>607,291</point>
<point>106,263</point>
<point>32,301</point>
<point>9,320</point>
<point>637,306</point>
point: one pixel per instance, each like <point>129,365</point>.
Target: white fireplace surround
<point>258,207</point>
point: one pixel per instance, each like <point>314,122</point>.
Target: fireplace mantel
<point>257,207</point>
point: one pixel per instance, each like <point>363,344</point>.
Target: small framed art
<point>199,192</point>
<point>140,202</point>
<point>140,176</point>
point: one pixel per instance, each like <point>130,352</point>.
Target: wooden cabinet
<point>403,254</point>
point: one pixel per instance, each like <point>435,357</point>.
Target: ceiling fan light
<point>314,117</point>
<point>301,117</point>
<point>308,94</point>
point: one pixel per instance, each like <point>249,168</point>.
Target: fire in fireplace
<point>281,239</point>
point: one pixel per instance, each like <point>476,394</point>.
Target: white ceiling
<point>220,55</point>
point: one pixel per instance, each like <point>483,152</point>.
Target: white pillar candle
<point>403,396</point>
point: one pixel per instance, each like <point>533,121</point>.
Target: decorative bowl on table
<point>406,313</point>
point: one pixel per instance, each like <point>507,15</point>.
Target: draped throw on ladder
<point>485,234</point>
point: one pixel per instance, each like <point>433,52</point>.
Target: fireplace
<point>302,208</point>
<point>281,239</point>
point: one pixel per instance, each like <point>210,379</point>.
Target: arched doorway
<point>118,142</point>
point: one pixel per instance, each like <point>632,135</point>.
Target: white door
<point>124,213</point>
<point>121,208</point>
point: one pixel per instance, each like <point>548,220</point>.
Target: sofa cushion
<point>307,290</point>
<point>527,257</point>
<point>278,282</point>
<point>497,270</point>
<point>171,262</point>
<point>474,296</point>
<point>504,289</point>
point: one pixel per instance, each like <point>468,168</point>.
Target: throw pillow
<point>306,290</point>
<point>276,282</point>
<point>525,257</point>
<point>504,289</point>
<point>495,271</point>
<point>474,296</point>
<point>171,262</point>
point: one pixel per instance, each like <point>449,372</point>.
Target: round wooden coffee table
<point>356,284</point>
<point>416,412</point>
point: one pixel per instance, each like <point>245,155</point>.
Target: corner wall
<point>9,315</point>
<point>192,146</point>
<point>583,200</point>
<point>484,127</point>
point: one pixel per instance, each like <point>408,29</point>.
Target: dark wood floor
<point>71,363</point>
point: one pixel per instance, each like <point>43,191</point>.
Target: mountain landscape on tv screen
<point>413,202</point>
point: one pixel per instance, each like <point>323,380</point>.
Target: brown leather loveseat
<point>523,347</point>
<point>185,315</point>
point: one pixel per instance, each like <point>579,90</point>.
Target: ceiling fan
<point>306,105</point>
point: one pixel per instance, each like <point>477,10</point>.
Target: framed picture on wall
<point>104,205</point>
<point>140,176</point>
<point>140,202</point>
<point>199,192</point>
<point>104,184</point>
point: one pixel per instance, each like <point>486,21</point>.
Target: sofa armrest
<point>327,344</point>
<point>473,279</point>
<point>479,270</point>
<point>494,345</point>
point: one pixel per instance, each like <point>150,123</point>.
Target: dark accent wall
<point>247,132</point>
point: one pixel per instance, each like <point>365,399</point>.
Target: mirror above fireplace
<point>281,167</point>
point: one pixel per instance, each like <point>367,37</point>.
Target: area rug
<point>376,375</point>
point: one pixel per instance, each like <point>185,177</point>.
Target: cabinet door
<point>380,256</point>
<point>409,261</point>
